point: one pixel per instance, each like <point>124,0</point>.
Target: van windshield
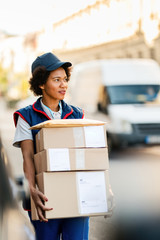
<point>128,94</point>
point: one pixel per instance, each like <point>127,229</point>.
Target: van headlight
<point>126,126</point>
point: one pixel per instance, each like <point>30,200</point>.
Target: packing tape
<point>38,135</point>
<point>78,192</point>
<point>78,136</point>
<point>80,159</point>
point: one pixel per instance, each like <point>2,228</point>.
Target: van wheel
<point>112,145</point>
<point>109,143</point>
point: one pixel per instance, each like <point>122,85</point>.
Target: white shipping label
<point>91,192</point>
<point>59,159</point>
<point>94,136</point>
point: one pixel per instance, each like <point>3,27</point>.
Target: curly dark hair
<point>40,76</point>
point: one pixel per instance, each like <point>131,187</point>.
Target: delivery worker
<point>49,80</point>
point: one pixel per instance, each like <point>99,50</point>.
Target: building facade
<point>105,29</point>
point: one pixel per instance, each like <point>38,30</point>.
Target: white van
<point>123,92</point>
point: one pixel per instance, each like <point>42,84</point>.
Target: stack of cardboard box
<point>72,167</point>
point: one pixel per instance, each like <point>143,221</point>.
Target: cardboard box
<point>71,137</point>
<point>64,159</point>
<point>74,194</point>
<point>58,123</point>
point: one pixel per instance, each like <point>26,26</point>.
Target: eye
<point>56,80</point>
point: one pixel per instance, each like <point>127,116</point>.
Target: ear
<point>42,87</point>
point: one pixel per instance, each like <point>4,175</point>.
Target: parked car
<point>13,224</point>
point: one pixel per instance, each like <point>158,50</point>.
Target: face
<point>56,85</point>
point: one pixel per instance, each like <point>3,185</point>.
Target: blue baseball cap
<point>49,61</point>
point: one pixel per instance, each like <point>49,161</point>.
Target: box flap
<point>68,123</point>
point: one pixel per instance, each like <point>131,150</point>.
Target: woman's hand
<point>39,199</point>
<point>29,170</point>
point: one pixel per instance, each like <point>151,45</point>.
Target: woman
<point>49,80</point>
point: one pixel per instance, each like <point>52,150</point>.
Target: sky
<point>24,16</point>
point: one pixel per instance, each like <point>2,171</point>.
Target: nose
<point>63,83</point>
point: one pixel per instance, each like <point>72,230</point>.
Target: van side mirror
<point>103,109</point>
<point>99,107</point>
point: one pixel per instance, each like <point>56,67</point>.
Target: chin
<point>61,98</point>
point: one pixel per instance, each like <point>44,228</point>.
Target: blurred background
<point>114,46</point>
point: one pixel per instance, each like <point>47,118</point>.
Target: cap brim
<point>58,65</point>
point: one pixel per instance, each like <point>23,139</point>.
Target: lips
<point>62,92</point>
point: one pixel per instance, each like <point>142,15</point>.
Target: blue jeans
<point>70,228</point>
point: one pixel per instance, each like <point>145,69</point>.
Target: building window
<point>140,54</point>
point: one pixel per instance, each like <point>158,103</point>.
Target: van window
<point>128,94</point>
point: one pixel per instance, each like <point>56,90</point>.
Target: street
<point>134,178</point>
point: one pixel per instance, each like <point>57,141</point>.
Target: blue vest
<point>34,114</point>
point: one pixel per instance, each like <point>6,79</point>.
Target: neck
<point>54,105</point>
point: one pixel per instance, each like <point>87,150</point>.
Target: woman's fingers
<point>42,206</point>
<point>40,210</point>
<point>41,215</point>
<point>42,196</point>
<point>39,200</point>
